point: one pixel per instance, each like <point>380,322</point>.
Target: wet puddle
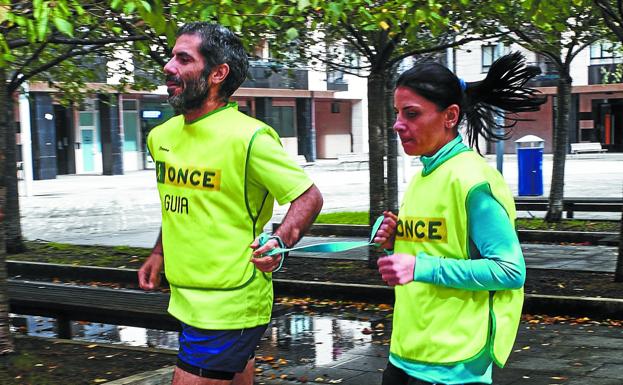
<point>96,332</point>
<point>304,337</point>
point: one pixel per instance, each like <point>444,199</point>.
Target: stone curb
<point>533,303</point>
<point>550,236</point>
<point>582,306</point>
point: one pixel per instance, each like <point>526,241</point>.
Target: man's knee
<point>182,377</point>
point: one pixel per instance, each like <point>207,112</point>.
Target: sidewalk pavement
<point>544,354</point>
<point>547,351</point>
<point>124,210</point>
<point>537,256</point>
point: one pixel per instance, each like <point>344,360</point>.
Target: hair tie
<point>462,84</point>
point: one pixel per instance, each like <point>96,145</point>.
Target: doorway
<point>65,157</point>
<point>609,124</point>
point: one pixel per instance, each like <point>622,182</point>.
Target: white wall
<point>317,80</point>
<point>357,88</point>
<point>469,59</point>
<point>469,65</point>
<point>132,161</point>
<point>331,145</point>
<point>358,93</point>
<point>359,126</point>
<point>579,67</point>
<point>290,145</point>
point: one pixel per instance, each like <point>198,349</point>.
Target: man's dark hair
<point>219,45</point>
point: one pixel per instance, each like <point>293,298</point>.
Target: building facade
<point>596,113</point>
<point>317,116</point>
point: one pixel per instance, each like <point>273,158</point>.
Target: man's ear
<point>219,73</point>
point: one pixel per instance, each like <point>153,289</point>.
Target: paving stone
<point>589,380</point>
<point>611,371</point>
<point>362,363</point>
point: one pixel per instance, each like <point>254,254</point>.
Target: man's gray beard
<point>193,95</point>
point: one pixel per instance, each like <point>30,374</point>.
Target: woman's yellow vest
<point>208,220</point>
<point>437,324</point>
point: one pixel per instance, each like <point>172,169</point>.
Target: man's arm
<point>300,216</point>
<point>149,273</point>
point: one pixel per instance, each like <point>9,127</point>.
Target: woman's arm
<point>500,265</point>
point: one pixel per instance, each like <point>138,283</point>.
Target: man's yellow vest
<point>208,222</point>
<point>441,325</point>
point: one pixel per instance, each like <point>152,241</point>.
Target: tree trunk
<point>391,191</point>
<point>618,274</point>
<point>561,137</point>
<point>377,125</point>
<point>13,229</point>
<point>6,342</point>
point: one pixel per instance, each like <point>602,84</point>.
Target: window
<point>88,111</point>
<point>335,76</point>
<point>130,125</point>
<point>335,108</point>
<point>283,121</point>
<point>605,49</point>
<point>489,54</point>
<point>546,65</point>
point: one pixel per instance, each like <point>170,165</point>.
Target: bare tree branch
<point>130,28</point>
<point>357,46</point>
<point>613,20</point>
<point>32,58</point>
<point>344,68</point>
<point>440,47</point>
<point>17,43</point>
<point>527,42</point>
<point>59,59</point>
<point>362,43</point>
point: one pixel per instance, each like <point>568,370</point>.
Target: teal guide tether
<point>325,247</point>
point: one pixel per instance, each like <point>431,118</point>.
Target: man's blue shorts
<point>217,354</point>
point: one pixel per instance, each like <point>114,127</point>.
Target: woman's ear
<point>452,116</point>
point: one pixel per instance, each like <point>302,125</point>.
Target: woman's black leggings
<point>395,376</point>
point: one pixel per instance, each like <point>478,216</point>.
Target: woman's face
<point>422,128</point>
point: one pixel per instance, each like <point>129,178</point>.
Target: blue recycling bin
<point>530,164</point>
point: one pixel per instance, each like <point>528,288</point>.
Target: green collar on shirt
<point>450,149</point>
<point>228,105</point>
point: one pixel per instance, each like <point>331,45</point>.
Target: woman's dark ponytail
<point>502,91</point>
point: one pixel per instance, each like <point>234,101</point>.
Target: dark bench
<point>95,304</point>
<point>354,159</point>
<point>302,161</point>
<point>571,205</point>
<point>69,303</point>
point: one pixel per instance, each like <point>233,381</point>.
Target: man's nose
<point>169,68</point>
